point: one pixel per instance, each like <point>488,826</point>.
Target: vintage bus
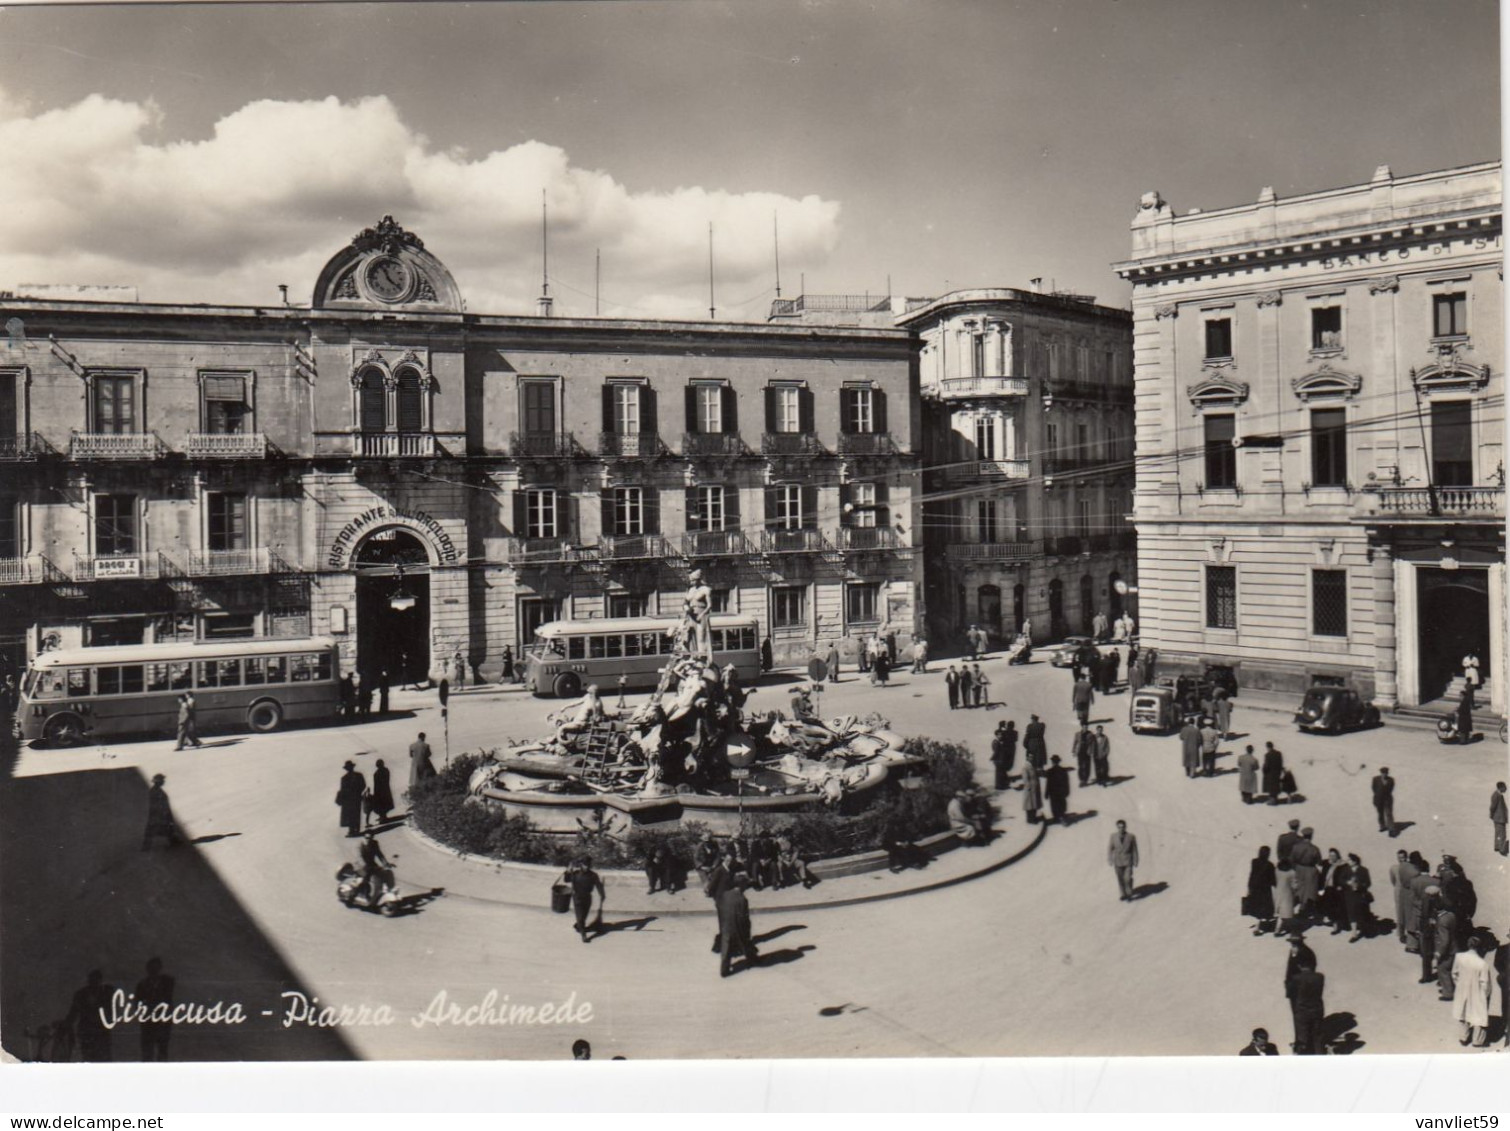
<point>567,655</point>
<point>80,694</point>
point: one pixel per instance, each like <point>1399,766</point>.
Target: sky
<point>208,153</point>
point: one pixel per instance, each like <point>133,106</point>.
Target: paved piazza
<point>1038,958</point>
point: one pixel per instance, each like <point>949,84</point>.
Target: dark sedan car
<point>1332,710</point>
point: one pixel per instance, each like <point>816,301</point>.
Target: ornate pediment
<point>1217,392</point>
<point>386,267</point>
<point>1451,376</point>
<point>388,236</point>
<point>1326,382</point>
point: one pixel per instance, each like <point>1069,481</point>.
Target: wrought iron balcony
<point>952,388</point>
<point>227,563</point>
<point>633,445</point>
<point>396,445</point>
<point>989,470</point>
<point>866,444</point>
<point>220,445</point>
<point>115,445</point>
<point>800,541</point>
<point>31,570</point>
<point>628,547</point>
<point>24,446</point>
<point>868,538</point>
<point>1090,391</point>
<point>543,445</point>
<point>790,444</point>
<point>543,551</point>
<point>995,551</point>
<point>712,444</point>
<point>714,543</point>
<point>1485,503</point>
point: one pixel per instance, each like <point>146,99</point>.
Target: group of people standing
<point>1299,888</point>
<point>967,686</point>
<point>357,692</point>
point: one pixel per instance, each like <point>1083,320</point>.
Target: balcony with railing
<point>866,444</point>
<point>1484,504</point>
<point>1065,545</point>
<point>631,445</point>
<point>1073,465</point>
<point>798,541</point>
<point>1092,392</point>
<point>23,446</point>
<point>31,570</point>
<point>995,551</point>
<point>714,543</point>
<point>955,388</point>
<point>544,551</point>
<point>987,470</point>
<point>129,567</point>
<point>633,547</point>
<point>790,444</point>
<point>868,538</point>
<point>229,563</point>
<point>115,445</point>
<point>223,445</point>
<point>713,444</point>
<point>543,445</point>
<point>396,445</point>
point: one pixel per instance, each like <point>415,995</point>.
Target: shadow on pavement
<point>782,957</point>
<point>604,927</point>
<point>1143,891</point>
<point>77,893</point>
<point>1076,818</point>
<point>759,940</point>
<point>1338,1034</point>
<point>212,838</point>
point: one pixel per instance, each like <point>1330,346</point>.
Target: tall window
<point>1218,337</point>
<point>978,355</point>
<point>986,428</point>
<point>373,401</point>
<point>227,521</point>
<point>864,508</point>
<point>411,400</point>
<point>1328,447</point>
<point>1221,456</point>
<point>1326,328</point>
<point>708,409</point>
<point>115,525</point>
<point>10,533</point>
<point>857,408</point>
<point>1452,443</point>
<point>540,519</point>
<point>1051,439</point>
<point>1083,516</point>
<point>225,409</point>
<point>789,606</point>
<point>626,604</point>
<point>710,509</point>
<point>787,501</point>
<point>626,410</point>
<point>788,407</point>
<point>10,409</point>
<point>987,524</point>
<point>628,510</point>
<point>862,602</point>
<point>1449,315</point>
<point>538,407</point>
<point>1329,602</point>
<point>1082,441</point>
<point>1221,596</point>
<point>114,404</point>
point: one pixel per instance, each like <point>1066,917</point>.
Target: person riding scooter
<point>376,871</point>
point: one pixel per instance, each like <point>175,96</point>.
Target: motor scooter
<point>380,896</point>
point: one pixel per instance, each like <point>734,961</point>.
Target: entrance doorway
<point>1454,621</point>
<point>393,607</point>
<point>1056,609</point>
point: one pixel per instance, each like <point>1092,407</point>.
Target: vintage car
<point>1153,710</point>
<point>1062,655</point>
<point>1331,709</point>
<point>1223,676</point>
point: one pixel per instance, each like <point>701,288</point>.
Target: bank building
<point>1320,403</point>
<point>422,482</point>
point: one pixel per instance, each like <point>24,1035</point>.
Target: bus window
<point>613,647</point>
<point>716,640</point>
<point>322,666</point>
<point>576,648</point>
<point>631,644</point>
<point>648,643</point>
<point>180,676</point>
<point>50,684</point>
<point>207,674</point>
<point>131,679</point>
<point>596,647</point>
<point>109,681</point>
<point>256,670</point>
<point>230,673</point>
<point>277,669</point>
<point>747,639</point>
<point>301,668</point>
<point>668,646</point>
<point>78,681</point>
<point>157,677</point>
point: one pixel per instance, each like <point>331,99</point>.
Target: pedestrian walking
<point>348,696</point>
<point>156,989</point>
<point>1035,746</point>
<point>1222,706</point>
<point>951,683</point>
<point>1032,793</point>
<point>583,882</point>
<point>349,797</point>
<point>1273,772</point>
<point>832,662</point>
<point>1356,897</point>
<point>188,731</point>
<point>1286,920</point>
<point>1083,748</point>
<point>1471,678</point>
<point>1134,668</point>
<point>1305,858</point>
<point>882,668</point>
<point>734,932</point>
<point>966,687</point>
<point>421,768</point>
<point>160,820</point>
<point>1003,750</point>
<point>1478,997</point>
<point>1190,748</point>
<point>92,1004</point>
<point>1098,626</point>
<point>972,647</point>
<point>1258,903</point>
<point>384,685</point>
<point>980,686</point>
<point>1057,787</point>
<point>1122,855</point>
<point>380,802</point>
<point>1211,741</point>
<point>1082,696</point>
<point>1499,813</point>
<point>919,656</point>
<point>1247,775</point>
<point>1384,800</point>
<point>1101,756</point>
<point>1306,990</point>
<point>1401,873</point>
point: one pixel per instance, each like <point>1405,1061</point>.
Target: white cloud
<point>89,197</point>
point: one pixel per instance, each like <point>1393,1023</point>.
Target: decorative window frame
<point>140,498</point>
<point>203,491</point>
<point>1441,286</point>
<point>22,375</point>
<point>1312,636</point>
<point>1450,377</point>
<point>1326,384</point>
<point>247,375</point>
<point>139,398</point>
<point>1223,312</point>
<point>1217,392</point>
<point>389,365</point>
<point>1327,300</point>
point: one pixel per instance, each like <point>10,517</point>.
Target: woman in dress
<point>1260,901</point>
<point>1032,793</point>
<point>1334,874</point>
<point>1284,900</point>
<point>1357,897</point>
<point>382,794</point>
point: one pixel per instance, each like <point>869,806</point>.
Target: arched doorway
<point>1056,609</point>
<point>393,606</point>
<point>1087,602</point>
<point>988,602</point>
<point>1454,621</point>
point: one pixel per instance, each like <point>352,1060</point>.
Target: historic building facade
<point>1320,407</point>
<point>1027,435</point>
<point>421,482</point>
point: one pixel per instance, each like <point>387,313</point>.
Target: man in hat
<point>1247,775</point>
<point>160,820</point>
<point>951,684</point>
<point>1305,989</point>
<point>1057,790</point>
<point>1428,906</point>
<point>1122,855</point>
<point>831,661</point>
<point>1101,756</point>
<point>1211,741</point>
<point>734,935</point>
<point>349,797</point>
<point>1305,858</point>
<point>1384,800</point>
<point>1446,949</point>
<point>377,872</point>
<point>188,730</point>
<point>584,881</point>
<point>1081,698</point>
<point>420,766</point>
<point>1035,746</point>
<point>1190,748</point>
<point>1084,750</point>
<point>1287,842</point>
<point>1299,952</point>
<point>1401,873</point>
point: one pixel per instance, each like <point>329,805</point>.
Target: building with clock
<point>422,482</point>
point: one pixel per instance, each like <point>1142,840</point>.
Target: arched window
<point>411,401</point>
<point>373,401</point>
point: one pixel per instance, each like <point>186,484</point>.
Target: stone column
<point>1386,690</point>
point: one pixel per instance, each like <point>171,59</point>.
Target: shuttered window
<point>227,521</point>
<point>1221,596</point>
<point>225,404</point>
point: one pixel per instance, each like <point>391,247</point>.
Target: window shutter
<point>605,502</point>
<point>878,411</point>
<point>568,518</point>
<point>731,508</point>
<point>652,511</point>
<point>647,411</point>
<point>731,410</point>
<point>692,427</point>
<point>608,410</point>
<point>770,409</point>
<point>809,506</point>
<point>695,519</point>
<point>521,514</point>
<point>772,517</point>
<point>805,413</point>
<point>883,498</point>
<point>846,411</point>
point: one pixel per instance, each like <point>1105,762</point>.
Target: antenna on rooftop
<point>776,245</point>
<point>712,310</point>
<point>546,302</point>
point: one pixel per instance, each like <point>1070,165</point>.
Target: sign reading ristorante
<point>353,532</point>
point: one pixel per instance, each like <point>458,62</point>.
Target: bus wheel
<point>264,716</point>
<point>64,730</point>
<point>568,685</point>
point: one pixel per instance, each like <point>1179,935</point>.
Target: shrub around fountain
<point>442,809</point>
